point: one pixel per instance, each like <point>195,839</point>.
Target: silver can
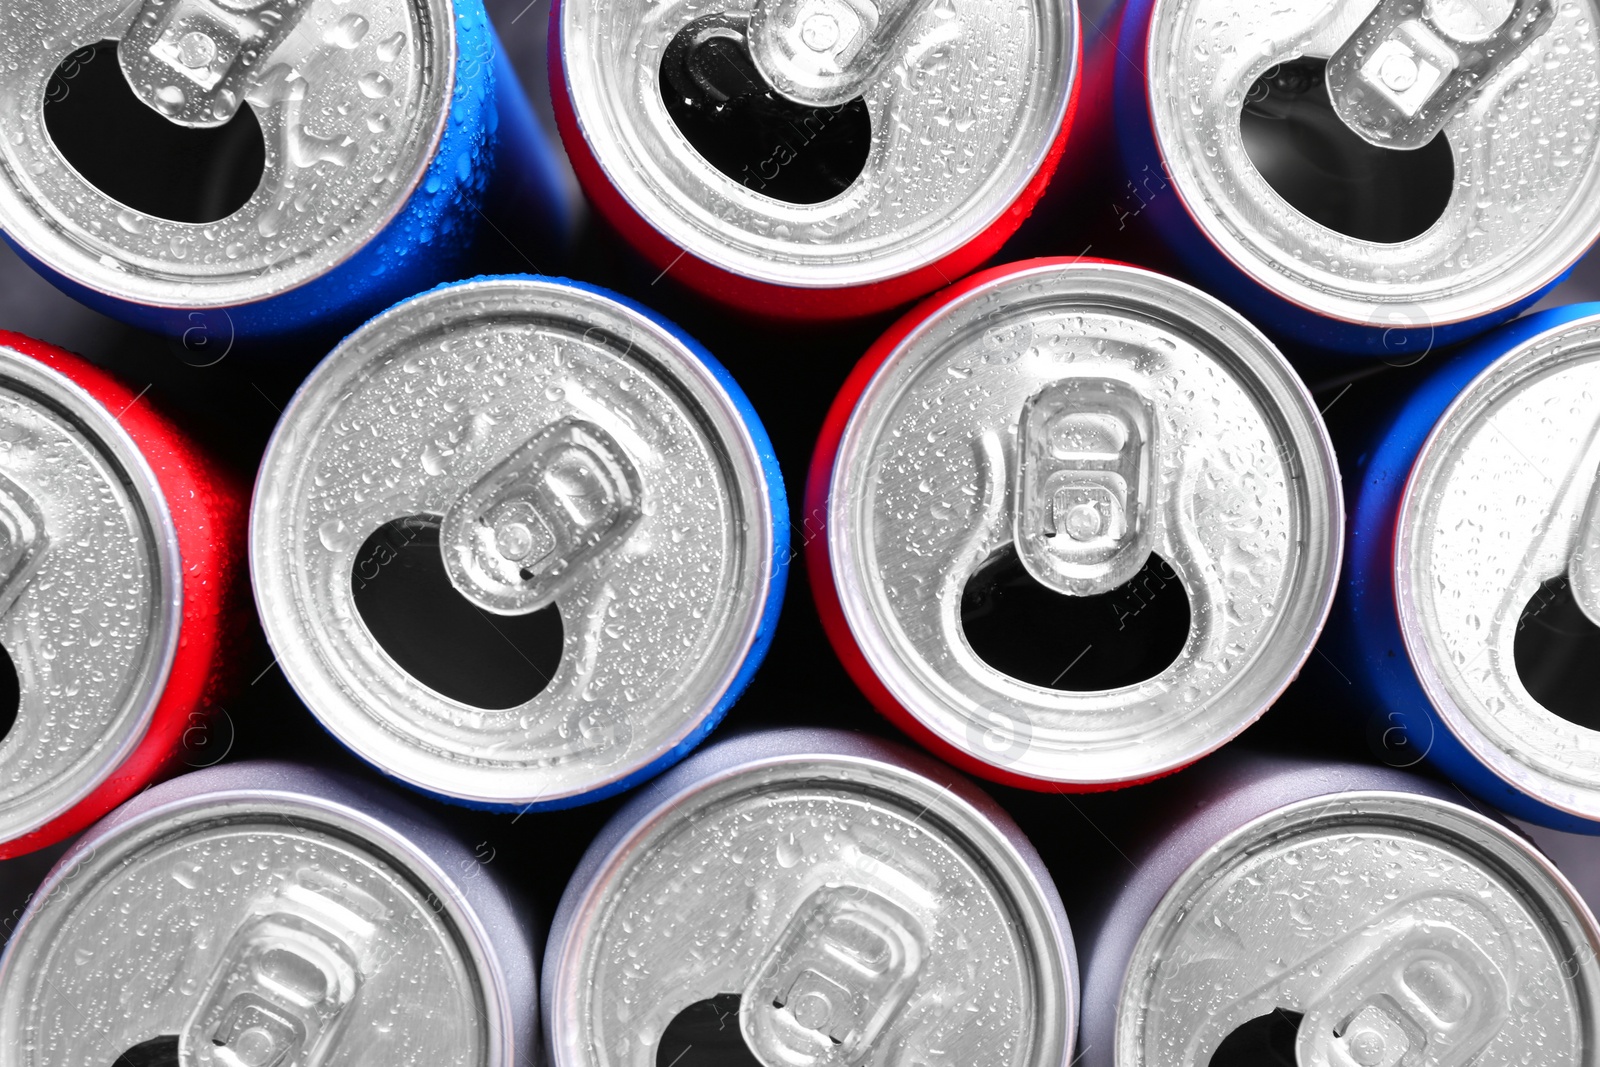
<point>816,898</point>
<point>1095,464</point>
<point>265,914</point>
<point>1326,914</point>
<point>545,455</point>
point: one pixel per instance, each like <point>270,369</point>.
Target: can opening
<point>738,124</point>
<point>139,158</point>
<point>1327,172</point>
<point>1557,653</point>
<point>1265,1041</point>
<point>706,1034</point>
<point>1075,643</point>
<point>10,692</point>
<point>157,1052</point>
<point>439,637</point>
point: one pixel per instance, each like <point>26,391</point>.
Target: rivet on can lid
<point>824,52</point>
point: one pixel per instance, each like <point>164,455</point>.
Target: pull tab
<point>192,60</point>
<point>1412,63</point>
<point>846,964</point>
<point>23,540</point>
<point>279,995</point>
<point>520,535</point>
<point>1583,571</point>
<point>823,53</point>
<point>1081,519</point>
<point>1424,995</point>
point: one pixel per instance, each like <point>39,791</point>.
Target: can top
<point>91,592</point>
<point>570,450</point>
<point>847,909</point>
<point>965,102</point>
<point>1510,84</point>
<point>351,101</point>
<point>1501,506</point>
<point>1385,928</point>
<point>1088,417</point>
<point>246,927</point>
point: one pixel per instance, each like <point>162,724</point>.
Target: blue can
<point>519,543</point>
<point>202,172</point>
<point>1469,618</point>
<point>1332,209</point>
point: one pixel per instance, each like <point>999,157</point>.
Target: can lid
<point>351,102</point>
<point>965,102</point>
<point>90,592</point>
<point>1509,84</point>
<point>1364,930</point>
<point>842,909</point>
<point>244,929</point>
<point>1499,526</point>
<point>1102,423</point>
<point>569,450</point>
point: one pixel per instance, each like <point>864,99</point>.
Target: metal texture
<point>578,451</point>
<point>1086,414</point>
<point>868,908</point>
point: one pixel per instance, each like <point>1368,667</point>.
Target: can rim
<point>877,643</point>
<point>321,690</point>
<point>103,430</point>
<point>1294,818</point>
<point>38,241</point>
<point>719,769</point>
<point>1561,793</point>
<point>855,272</point>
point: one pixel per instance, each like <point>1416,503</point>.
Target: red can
<point>121,589</point>
<point>815,159</point>
<point>1073,525</point>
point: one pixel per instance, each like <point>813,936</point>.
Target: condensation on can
<point>1469,507</point>
<point>954,167</point>
<point>383,127</point>
<point>848,902</point>
<point>123,594</point>
<point>292,916</point>
<point>1120,436</point>
<point>572,453</point>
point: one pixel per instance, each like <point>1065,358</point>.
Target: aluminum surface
<point>352,101</point>
<point>475,403</point>
<point>266,914</point>
<point>1502,499</point>
<point>1403,929</point>
<point>965,103</point>
<point>1521,112</point>
<point>1232,481</point>
<point>865,912</point>
<point>91,592</point>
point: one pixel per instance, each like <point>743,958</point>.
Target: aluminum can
<point>556,469</point>
<point>810,897</point>
<point>266,913</point>
<point>129,156</point>
<point>1336,914</point>
<point>121,592</point>
<point>814,159</point>
<point>1071,524</point>
<point>1468,620</point>
<point>1379,179</point>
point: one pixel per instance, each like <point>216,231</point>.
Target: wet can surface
<point>810,897</point>
<point>262,913</point>
<point>1379,179</point>
<point>121,591</point>
<point>519,543</point>
<point>255,169</point>
<point>1072,524</point>
<point>815,159</point>
<point>1470,618</point>
<point>1339,915</point>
